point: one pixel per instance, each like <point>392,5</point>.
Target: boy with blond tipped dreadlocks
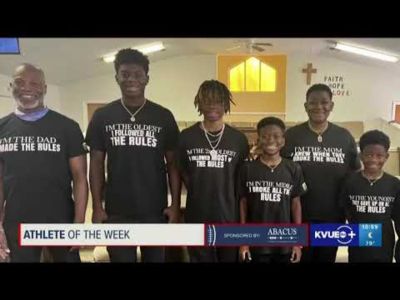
<point>210,155</point>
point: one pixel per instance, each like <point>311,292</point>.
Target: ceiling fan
<point>250,46</point>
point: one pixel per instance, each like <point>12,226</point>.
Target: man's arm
<point>1,196</point>
<point>174,179</point>
<point>355,162</point>
<point>244,250</point>
<point>4,250</point>
<point>296,210</point>
<point>78,169</point>
<point>185,179</point>
<point>396,219</point>
<point>97,182</point>
<point>296,216</point>
<point>243,210</point>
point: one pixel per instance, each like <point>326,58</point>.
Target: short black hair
<point>270,121</point>
<point>213,91</point>
<point>374,137</point>
<point>131,56</point>
<point>319,87</point>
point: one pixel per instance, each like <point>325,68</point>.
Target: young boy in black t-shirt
<point>373,196</point>
<point>137,138</point>
<point>270,189</point>
<point>210,155</point>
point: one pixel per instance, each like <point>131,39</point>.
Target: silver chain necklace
<point>372,181</point>
<point>318,132</point>
<point>273,167</point>
<point>213,152</point>
<point>133,119</point>
<point>214,135</point>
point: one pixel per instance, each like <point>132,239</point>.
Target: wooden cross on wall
<point>309,70</point>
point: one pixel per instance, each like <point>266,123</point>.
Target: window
<point>252,75</point>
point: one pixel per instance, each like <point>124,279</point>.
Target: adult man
<point>41,153</point>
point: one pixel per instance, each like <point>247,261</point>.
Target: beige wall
<point>173,83</point>
<point>373,89</point>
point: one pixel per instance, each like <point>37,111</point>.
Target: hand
<point>244,251</point>
<point>255,152</point>
<point>173,214</point>
<point>4,250</point>
<point>99,215</point>
<point>296,254</point>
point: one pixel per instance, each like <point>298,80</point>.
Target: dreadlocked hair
<point>213,92</point>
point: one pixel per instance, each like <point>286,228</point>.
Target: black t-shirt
<point>324,167</point>
<point>37,176</point>
<point>136,170</point>
<point>212,187</point>
<point>269,194</point>
<point>376,203</point>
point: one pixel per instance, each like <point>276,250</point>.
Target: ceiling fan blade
<point>258,48</point>
<point>233,48</point>
<point>263,44</point>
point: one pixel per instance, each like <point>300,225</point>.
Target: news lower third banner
<point>351,235</point>
<point>163,235</point>
<point>274,235</point>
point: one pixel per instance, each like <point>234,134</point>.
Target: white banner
<point>111,234</point>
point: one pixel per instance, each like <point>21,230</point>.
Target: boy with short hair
<point>270,190</point>
<point>373,196</point>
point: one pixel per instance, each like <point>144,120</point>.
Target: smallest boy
<point>373,196</point>
<point>270,190</point>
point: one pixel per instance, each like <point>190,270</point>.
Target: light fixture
<point>365,52</point>
<point>145,49</point>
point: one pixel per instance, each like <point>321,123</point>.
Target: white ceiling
<point>70,59</point>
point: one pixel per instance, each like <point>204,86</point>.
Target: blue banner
<point>370,235</point>
<point>352,235</point>
<point>256,235</point>
<point>9,46</point>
